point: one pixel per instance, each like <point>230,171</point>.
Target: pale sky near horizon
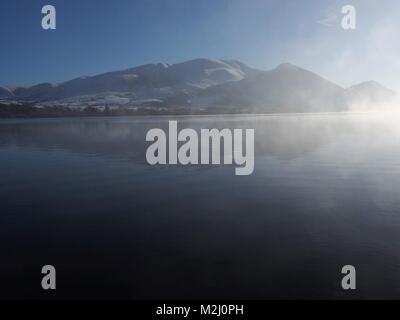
<point>95,36</point>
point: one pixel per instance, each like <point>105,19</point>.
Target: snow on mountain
<point>287,88</point>
<point>144,82</point>
<point>207,83</point>
<point>5,93</point>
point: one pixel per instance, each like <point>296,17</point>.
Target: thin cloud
<point>329,20</point>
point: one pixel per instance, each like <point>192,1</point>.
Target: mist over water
<point>78,194</point>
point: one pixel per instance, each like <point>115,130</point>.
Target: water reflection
<point>77,193</point>
<point>281,137</point>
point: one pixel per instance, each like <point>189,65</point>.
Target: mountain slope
<point>149,81</point>
<point>5,93</point>
<point>369,94</point>
<point>207,83</point>
<point>285,89</point>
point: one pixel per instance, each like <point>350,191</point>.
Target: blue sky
<point>95,36</point>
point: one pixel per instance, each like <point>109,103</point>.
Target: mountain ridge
<point>205,83</point>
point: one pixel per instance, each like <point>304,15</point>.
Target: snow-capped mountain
<point>287,88</point>
<point>151,81</point>
<point>206,83</point>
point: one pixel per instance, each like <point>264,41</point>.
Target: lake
<point>77,193</point>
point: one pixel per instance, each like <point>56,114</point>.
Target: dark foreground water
<point>79,195</point>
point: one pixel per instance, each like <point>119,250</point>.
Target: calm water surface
<point>79,195</point>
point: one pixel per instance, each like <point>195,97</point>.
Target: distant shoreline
<point>31,112</point>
